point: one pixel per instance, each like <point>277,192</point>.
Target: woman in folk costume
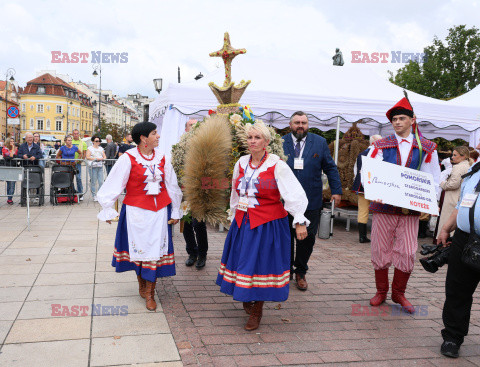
<point>144,238</point>
<point>394,230</point>
<point>255,264</point>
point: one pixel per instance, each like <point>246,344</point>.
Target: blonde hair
<point>463,151</point>
<point>261,128</point>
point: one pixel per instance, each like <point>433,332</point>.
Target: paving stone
<point>127,350</point>
<point>35,330</point>
<point>72,353</point>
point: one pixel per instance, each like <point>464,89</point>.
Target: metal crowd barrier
<point>17,163</point>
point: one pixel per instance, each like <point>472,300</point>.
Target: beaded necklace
<point>147,159</point>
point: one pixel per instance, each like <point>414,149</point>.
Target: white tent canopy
<point>350,92</point>
<point>471,99</point>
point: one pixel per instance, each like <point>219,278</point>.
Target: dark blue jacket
<point>357,182</point>
<point>316,158</point>
<point>34,152</point>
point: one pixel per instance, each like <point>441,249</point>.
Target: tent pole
<point>337,143</point>
<point>337,139</point>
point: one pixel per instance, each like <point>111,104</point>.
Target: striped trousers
<point>394,241</point>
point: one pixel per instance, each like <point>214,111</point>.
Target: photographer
<point>462,279</point>
<point>29,151</point>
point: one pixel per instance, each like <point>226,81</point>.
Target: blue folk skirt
<point>149,270</point>
<point>255,263</point>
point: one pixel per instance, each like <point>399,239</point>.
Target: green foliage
<point>109,128</point>
<point>450,69</point>
<point>329,135</point>
<point>445,145</point>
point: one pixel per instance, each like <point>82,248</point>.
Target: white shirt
<point>404,147</point>
<point>302,144</point>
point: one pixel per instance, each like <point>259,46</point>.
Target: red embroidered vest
<point>266,202</point>
<point>136,188</point>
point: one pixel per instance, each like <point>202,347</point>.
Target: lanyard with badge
<point>469,200</point>
<point>243,200</point>
<point>298,161</point>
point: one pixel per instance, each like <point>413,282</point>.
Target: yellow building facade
<point>53,108</point>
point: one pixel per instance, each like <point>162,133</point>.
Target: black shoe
<point>362,231</point>
<point>201,262</point>
<point>449,349</point>
<point>191,260</point>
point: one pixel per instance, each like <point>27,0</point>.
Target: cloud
<point>162,35</point>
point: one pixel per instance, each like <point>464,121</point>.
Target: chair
<point>35,184</point>
<point>61,184</point>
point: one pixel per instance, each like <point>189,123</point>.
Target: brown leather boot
<point>141,286</point>
<point>301,282</point>
<point>255,316</point>
<point>399,285</point>
<point>247,306</point>
<point>381,281</point>
<point>150,296</point>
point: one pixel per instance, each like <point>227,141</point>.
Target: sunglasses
<point>96,141</point>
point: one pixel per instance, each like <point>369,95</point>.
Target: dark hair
<point>474,155</point>
<point>142,129</point>
<point>96,137</point>
<point>298,113</point>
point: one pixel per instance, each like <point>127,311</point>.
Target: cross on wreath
<point>227,53</point>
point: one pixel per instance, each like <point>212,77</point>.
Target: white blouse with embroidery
<point>290,189</point>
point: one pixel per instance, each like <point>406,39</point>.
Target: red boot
<point>400,280</point>
<point>381,281</point>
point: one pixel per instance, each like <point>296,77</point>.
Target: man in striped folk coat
<point>394,230</point>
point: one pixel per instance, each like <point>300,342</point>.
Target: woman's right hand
<point>109,221</point>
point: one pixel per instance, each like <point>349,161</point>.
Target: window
<point>24,107</point>
<point>40,108</point>
<point>48,108</point>
<point>39,124</point>
<point>31,107</point>
<point>59,108</point>
<point>24,124</point>
<point>58,125</point>
<point>48,124</point>
<point>41,89</point>
<point>31,124</point>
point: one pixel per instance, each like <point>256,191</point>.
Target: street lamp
<point>158,84</point>
<point>99,68</point>
<point>63,116</point>
<point>10,73</point>
<point>199,76</point>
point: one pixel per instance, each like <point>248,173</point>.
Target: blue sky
<point>161,35</point>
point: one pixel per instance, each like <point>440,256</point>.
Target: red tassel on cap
<point>374,153</point>
<point>429,158</point>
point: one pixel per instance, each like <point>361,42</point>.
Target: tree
<point>448,70</point>
<point>112,129</point>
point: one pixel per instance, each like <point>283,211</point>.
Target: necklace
<point>147,159</point>
<point>264,158</point>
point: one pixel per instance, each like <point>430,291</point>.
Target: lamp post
<point>68,111</point>
<point>158,84</point>
<point>99,68</point>
<point>10,73</point>
<point>199,76</point>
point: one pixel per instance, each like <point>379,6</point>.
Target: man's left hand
<point>337,199</point>
<point>173,221</point>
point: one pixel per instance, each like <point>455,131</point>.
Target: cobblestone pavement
<point>196,324</point>
<point>318,326</point>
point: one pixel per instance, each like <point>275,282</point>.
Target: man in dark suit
<point>308,156</point>
<point>29,151</point>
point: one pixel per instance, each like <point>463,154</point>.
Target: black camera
<point>437,260</point>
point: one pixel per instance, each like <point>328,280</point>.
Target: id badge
<point>243,203</point>
<point>298,163</point>
<point>468,200</point>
